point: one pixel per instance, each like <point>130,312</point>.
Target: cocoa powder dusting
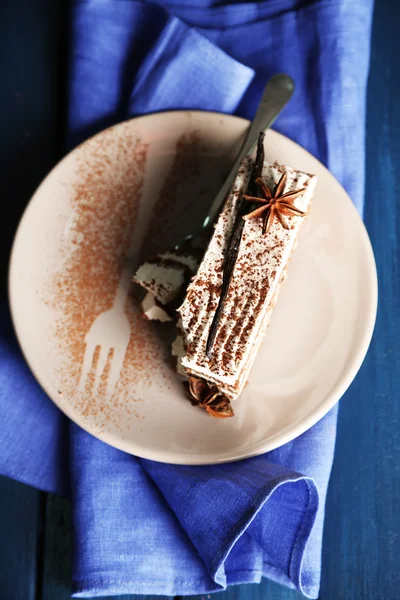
<point>91,380</point>
<point>106,373</point>
<point>108,186</point>
<point>105,206</point>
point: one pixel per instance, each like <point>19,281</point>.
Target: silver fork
<point>277,94</point>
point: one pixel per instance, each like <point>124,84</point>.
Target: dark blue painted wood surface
<point>362,528</point>
<point>21,529</point>
<point>29,38</point>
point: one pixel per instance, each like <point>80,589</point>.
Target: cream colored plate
<point>138,188</point>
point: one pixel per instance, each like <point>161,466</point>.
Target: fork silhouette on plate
<point>108,338</point>
<point>106,344</point>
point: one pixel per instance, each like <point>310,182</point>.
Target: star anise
<point>207,396</point>
<point>274,204</point>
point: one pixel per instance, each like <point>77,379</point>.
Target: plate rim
<point>259,447</point>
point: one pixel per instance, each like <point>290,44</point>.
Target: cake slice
<point>222,320</point>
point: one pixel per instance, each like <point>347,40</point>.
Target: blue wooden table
<point>362,529</point>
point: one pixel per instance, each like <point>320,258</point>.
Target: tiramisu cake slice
<point>229,301</point>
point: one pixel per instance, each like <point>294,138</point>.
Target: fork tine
<point>100,364</point>
<point>116,368</point>
<point>90,383</point>
<point>104,374</point>
<point>89,362</point>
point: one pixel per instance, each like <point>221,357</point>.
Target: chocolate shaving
<point>234,242</point>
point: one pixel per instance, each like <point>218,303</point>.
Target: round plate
<point>136,189</point>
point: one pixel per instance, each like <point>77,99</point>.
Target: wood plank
<point>266,590</point>
<point>27,151</point>
<point>362,530</point>
<point>21,528</point>
<point>56,566</point>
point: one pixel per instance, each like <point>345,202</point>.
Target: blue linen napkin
<point>144,527</point>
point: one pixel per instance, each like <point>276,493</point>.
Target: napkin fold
<point>144,527</point>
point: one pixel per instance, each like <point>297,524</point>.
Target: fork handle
<point>277,93</point>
